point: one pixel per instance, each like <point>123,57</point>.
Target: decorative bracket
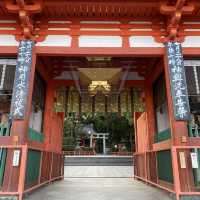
<point>175,13</point>
<point>25,12</point>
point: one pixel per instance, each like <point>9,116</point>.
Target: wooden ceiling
<point>99,8</point>
<point>143,66</point>
<point>36,19</point>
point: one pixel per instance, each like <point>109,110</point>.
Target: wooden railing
<point>146,168</point>
<point>36,168</point>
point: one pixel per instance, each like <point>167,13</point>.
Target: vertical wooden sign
<point>178,81</point>
<point>21,82</point>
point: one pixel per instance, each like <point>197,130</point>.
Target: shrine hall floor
<point>99,188</point>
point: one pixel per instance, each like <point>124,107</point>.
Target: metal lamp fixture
<point>99,86</point>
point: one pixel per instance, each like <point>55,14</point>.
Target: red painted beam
<point>134,83</point>
<point>121,52</point>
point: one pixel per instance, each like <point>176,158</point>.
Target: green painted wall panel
<point>163,135</point>
<point>3,152</point>
<point>3,129</point>
<point>164,166</point>
<point>33,135</point>
<point>33,166</point>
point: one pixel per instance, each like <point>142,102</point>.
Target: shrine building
<point>75,57</point>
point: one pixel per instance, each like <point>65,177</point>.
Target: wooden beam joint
<point>166,9</point>
<point>175,13</point>
<point>25,12</point>
<point>14,7</point>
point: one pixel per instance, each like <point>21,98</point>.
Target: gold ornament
<point>99,86</point>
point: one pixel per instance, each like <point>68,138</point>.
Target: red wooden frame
<point>138,52</point>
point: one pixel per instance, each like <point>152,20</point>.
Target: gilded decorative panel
<point>73,101</point>
<point>100,103</point>
<point>112,103</point>
<point>138,104</point>
<point>124,98</point>
<point>86,104</point>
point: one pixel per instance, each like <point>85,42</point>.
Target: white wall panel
<point>8,40</point>
<point>100,41</point>
<point>191,41</point>
<point>143,41</point>
<point>56,40</point>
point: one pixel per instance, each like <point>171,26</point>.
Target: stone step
<point>98,160</point>
<point>8,198</point>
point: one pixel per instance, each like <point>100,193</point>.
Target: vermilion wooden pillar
<point>53,122</point>
<point>149,102</point>
<point>179,128</point>
<point>150,114</point>
<point>48,113</point>
<point>19,128</point>
<point>183,178</point>
<point>14,176</point>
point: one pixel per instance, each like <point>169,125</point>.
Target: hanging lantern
<point>99,86</point>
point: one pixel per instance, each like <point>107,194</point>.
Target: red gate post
<point>22,173</point>
<point>19,134</point>
<point>179,137</point>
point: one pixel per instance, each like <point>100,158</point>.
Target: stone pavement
<point>98,171</point>
<point>98,189</point>
<point>94,187</point>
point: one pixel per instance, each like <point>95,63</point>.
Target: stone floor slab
<point>98,183</point>
<point>98,189</point>
<point>99,171</point>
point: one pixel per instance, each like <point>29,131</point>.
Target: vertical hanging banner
<point>21,82</point>
<point>178,81</point>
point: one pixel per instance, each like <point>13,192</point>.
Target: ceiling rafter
<point>44,11</point>
<point>76,80</point>
<point>123,80</point>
